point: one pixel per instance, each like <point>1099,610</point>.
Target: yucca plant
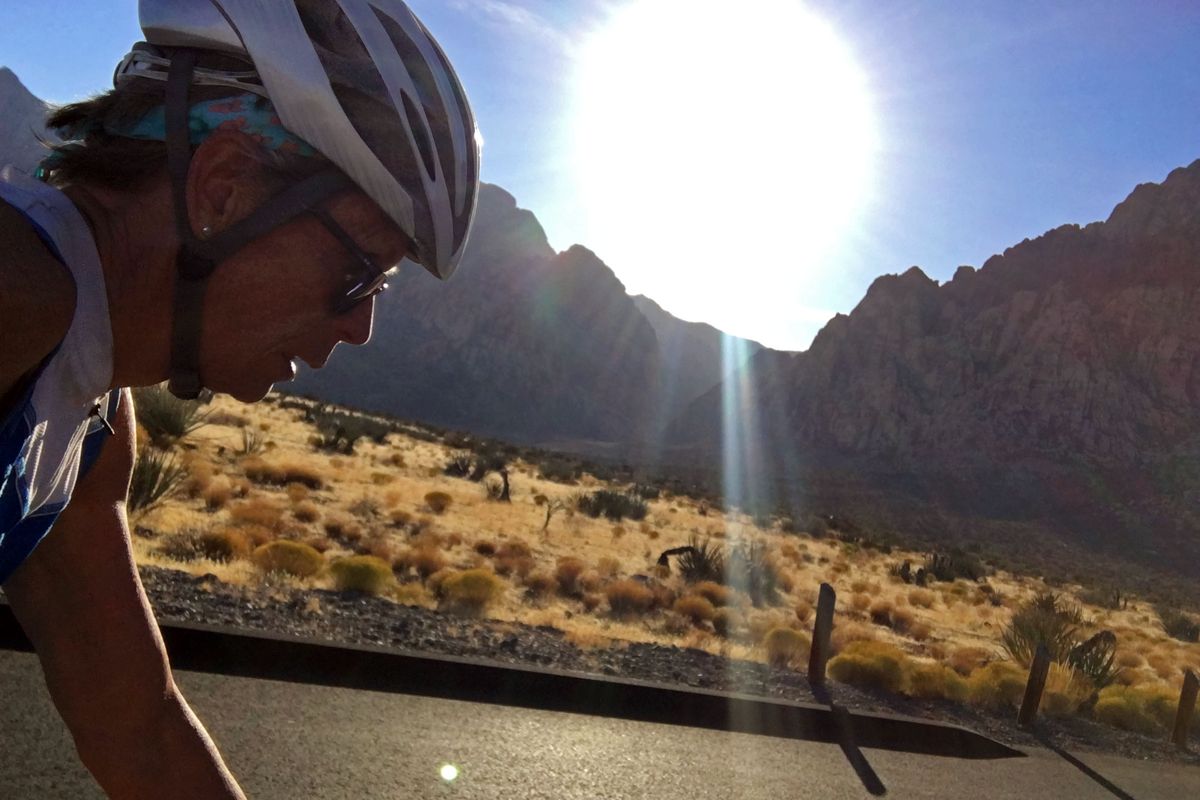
<point>1034,625</point>
<point>155,476</point>
<point>1096,658</point>
<point>165,417</point>
<point>702,561</point>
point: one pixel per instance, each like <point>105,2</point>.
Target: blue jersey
<point>55,430</point>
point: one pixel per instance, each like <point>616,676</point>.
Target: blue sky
<point>996,121</point>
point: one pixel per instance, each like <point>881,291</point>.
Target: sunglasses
<point>364,279</point>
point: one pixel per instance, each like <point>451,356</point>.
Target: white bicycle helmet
<point>361,81</point>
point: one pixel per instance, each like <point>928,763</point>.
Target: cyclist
<point>233,204</point>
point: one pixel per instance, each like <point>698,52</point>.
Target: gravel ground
<point>358,619</point>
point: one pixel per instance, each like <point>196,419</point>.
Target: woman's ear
<point>226,181</point>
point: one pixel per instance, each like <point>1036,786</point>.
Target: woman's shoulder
<point>37,298</point>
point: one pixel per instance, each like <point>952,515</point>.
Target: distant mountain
<point>696,356</point>
<point>1060,384</point>
<point>22,121</point>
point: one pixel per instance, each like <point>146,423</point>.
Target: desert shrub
<point>611,505</point>
<point>726,621</point>
<point>965,660</point>
<point>996,686</point>
<point>628,597</point>
<point>1066,690</point>
<point>471,590</point>
<point>880,611</point>
<point>817,527</point>
<point>226,544</point>
<point>917,631</point>
<point>361,574</point>
<point>306,511</point>
<point>903,620</point>
<point>1178,625</point>
<point>256,511</point>
<point>485,548</point>
<point>410,594</point>
<point>847,633</point>
<point>1033,625</point>
<point>1149,710</point>
<point>339,432</point>
<point>1104,596</point>
<point>297,492</point>
<point>269,474</point>
<point>934,682</point>
<point>180,546</point>
<point>923,598</point>
<point>591,602</point>
<point>256,534</point>
<point>459,466</point>
<point>425,561</point>
<point>252,443</point>
<point>155,475</point>
<point>717,594</point>
<point>567,571</point>
<point>540,583</point>
<point>217,495</point>
<point>608,567</point>
<point>645,491</point>
<point>166,418</point>
<point>873,665</point>
<point>695,608</point>
<point>952,565</point>
<point>752,569</point>
<point>1095,659</point>
<point>438,502</point>
<point>559,470</point>
<point>293,558</point>
<point>804,611</point>
<point>785,646</point>
<point>704,561</point>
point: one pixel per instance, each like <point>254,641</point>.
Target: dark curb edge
<point>202,648</point>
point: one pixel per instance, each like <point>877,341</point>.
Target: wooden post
<point>1038,670</point>
<point>1187,705</point>
<point>818,656</point>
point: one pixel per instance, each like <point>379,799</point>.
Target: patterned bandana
<point>248,113</point>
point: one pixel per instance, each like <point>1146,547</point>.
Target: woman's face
<point>273,302</point>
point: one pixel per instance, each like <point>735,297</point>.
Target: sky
<point>989,123</point>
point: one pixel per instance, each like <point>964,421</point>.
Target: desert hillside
<point>291,493</point>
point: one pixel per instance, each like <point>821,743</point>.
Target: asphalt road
<point>291,741</point>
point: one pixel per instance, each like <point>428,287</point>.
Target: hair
<point>91,155</point>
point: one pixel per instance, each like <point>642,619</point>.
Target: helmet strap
<point>198,259</point>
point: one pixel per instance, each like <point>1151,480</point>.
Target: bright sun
<point>724,150</point>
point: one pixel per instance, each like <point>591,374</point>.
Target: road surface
<point>290,741</point>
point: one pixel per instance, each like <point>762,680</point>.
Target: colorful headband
<point>247,113</point>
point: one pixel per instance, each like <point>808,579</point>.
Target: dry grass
<point>288,492</point>
<point>291,558</point>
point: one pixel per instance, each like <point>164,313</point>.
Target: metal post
<point>1187,705</point>
<point>1038,671</point>
<point>818,656</point>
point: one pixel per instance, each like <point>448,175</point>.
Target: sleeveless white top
<point>42,437</point>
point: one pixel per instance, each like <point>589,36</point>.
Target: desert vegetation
<point>321,498</point>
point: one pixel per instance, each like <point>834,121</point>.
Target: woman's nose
<point>354,327</point>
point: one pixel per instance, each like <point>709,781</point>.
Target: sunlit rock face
<point>1062,378</point>
<point>22,121</point>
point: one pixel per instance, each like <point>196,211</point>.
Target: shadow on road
<point>845,736</point>
<point>1116,791</point>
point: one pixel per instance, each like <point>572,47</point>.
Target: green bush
<point>471,590</point>
<point>166,418</point>
<point>155,475</point>
<point>785,645</point>
<point>872,665</point>
<point>1148,710</point>
<point>934,682</point>
<point>293,558</point>
<point>997,686</point>
<point>612,505</point>
<point>367,574</point>
<point>952,565</point>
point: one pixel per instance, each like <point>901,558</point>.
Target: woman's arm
<point>80,601</point>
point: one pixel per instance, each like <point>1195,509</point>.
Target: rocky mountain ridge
<point>1058,382</point>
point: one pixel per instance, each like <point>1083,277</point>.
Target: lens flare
<point>449,773</point>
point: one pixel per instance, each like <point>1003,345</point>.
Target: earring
<point>206,232</point>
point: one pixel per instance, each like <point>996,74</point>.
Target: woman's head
<point>344,123</point>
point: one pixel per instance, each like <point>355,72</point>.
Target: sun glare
<point>723,149</point>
